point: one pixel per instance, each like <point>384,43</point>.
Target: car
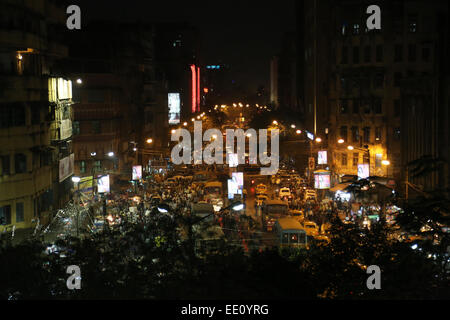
<point>285,193</point>
<point>261,189</point>
<point>261,199</point>
<point>310,195</point>
<point>311,228</point>
<point>298,215</point>
<point>171,181</point>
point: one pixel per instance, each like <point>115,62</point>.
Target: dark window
<point>397,108</point>
<point>344,160</point>
<point>379,53</point>
<point>35,114</point>
<point>367,135</point>
<point>397,134</point>
<point>344,133</point>
<point>412,53</point>
<point>379,134</point>
<point>6,166</point>
<point>5,215</point>
<point>96,127</point>
<point>355,55</point>
<point>20,163</point>
<point>412,23</point>
<point>96,96</point>
<point>366,106</point>
<point>97,166</point>
<point>344,55</point>
<point>76,128</point>
<point>379,80</point>
<point>20,213</point>
<point>82,166</point>
<point>344,107</point>
<point>12,115</point>
<point>356,106</point>
<point>398,57</point>
<point>355,159</point>
<point>426,54</point>
<point>367,54</point>
<point>377,106</point>
<point>355,134</point>
<point>397,79</point>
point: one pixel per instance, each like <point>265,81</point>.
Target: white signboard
<point>137,173</point>
<point>363,171</point>
<point>66,167</point>
<point>323,157</point>
<point>103,184</point>
<point>65,129</point>
<point>174,108</point>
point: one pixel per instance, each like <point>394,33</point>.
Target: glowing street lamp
<point>185,124</point>
<point>318,140</point>
<point>299,132</point>
<point>275,122</point>
<point>351,148</point>
<point>149,141</point>
<point>341,141</point>
<point>76,179</point>
<point>111,154</point>
<point>386,163</point>
<point>293,126</point>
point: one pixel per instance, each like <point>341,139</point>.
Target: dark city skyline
<point>244,34</point>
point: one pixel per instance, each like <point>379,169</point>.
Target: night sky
<point>244,33</point>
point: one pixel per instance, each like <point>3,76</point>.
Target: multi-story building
<point>121,111</point>
<point>35,114</point>
<point>358,79</point>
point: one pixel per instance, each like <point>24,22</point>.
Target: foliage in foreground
<point>151,261</point>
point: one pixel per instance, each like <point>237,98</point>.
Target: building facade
<point>35,103</point>
<point>357,97</point>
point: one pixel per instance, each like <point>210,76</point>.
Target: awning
<point>340,187</point>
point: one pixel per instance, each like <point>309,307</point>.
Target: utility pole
<point>315,68</point>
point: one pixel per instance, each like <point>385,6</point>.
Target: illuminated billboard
<point>323,157</point>
<point>233,188</point>
<point>238,177</point>
<point>363,171</point>
<point>322,180</point>
<point>103,184</point>
<point>174,108</point>
<point>137,173</point>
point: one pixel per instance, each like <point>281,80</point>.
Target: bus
<point>272,211</point>
<point>289,233</point>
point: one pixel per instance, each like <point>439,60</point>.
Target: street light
<point>341,141</point>
<point>293,126</point>
<point>275,122</point>
<point>351,148</point>
<point>149,141</point>
<point>299,131</point>
<point>386,163</point>
<point>111,154</point>
<point>318,140</point>
<point>76,179</point>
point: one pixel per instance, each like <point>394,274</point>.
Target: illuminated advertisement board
<point>86,184</point>
<point>238,177</point>
<point>66,166</point>
<point>322,180</point>
<point>174,108</point>
<point>310,135</point>
<point>137,173</point>
<point>233,189</point>
<point>363,171</point>
<point>103,184</point>
<point>323,157</point>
